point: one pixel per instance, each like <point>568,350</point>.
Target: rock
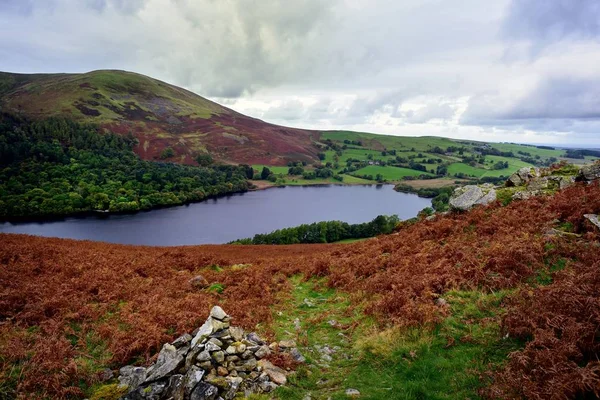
<point>105,375</point>
<point>204,391</point>
<point>274,347</point>
<point>183,340</point>
<point>466,197</point>
<point>590,172</point>
<point>274,373</point>
<point>236,333</point>
<point>262,352</point>
<point>199,282</point>
<point>267,387</point>
<point>217,325</point>
<point>566,181</point>
<point>131,376</point>
<point>352,393</point>
<point>525,194</point>
<point>222,371</point>
<point>297,356</point>
<point>247,366</point>
<point>593,218</point>
<point>210,347</point>
<point>155,390</point>
<point>218,313</point>
<point>169,360</point>
<point>440,302</point>
<point>175,389</point>
<point>287,344</point>
<point>203,356</point>
<point>192,378</point>
<point>234,384</point>
<point>523,176</point>
<point>215,341</point>
<point>218,356</point>
<point>537,183</point>
<point>205,330</point>
<point>253,337</point>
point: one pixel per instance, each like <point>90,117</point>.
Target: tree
<point>265,173</point>
<point>204,159</point>
<point>168,152</point>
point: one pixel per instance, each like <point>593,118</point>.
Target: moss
<point>109,392</point>
<point>505,195</point>
<point>566,170</point>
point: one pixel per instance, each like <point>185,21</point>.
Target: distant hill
<point>160,115</point>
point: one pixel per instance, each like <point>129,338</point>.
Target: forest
<point>58,167</point>
<point>325,232</point>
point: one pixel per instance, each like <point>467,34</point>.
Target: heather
<point>506,297</point>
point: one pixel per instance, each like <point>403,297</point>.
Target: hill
<point>498,302</point>
<point>158,114</point>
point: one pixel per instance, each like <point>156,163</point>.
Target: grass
<point>273,169</point>
<point>416,363</point>
<point>388,172</point>
<point>443,363</point>
<point>534,151</point>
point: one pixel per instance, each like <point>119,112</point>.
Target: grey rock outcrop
<point>217,362</point>
<point>523,176</point>
<point>466,197</point>
<point>590,172</point>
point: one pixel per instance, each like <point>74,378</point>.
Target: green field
<point>273,169</point>
<point>388,172</point>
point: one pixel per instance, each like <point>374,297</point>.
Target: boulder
<point>352,393</point>
<point>590,172</point>
<point>523,176</point>
<point>466,197</point>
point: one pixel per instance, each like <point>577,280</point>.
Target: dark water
<point>234,217</point>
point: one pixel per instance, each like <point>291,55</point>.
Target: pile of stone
<point>215,362</point>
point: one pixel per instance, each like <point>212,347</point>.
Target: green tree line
<point>325,232</point>
<point>58,167</point>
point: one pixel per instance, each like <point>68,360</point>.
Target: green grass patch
<point>418,363</point>
<point>389,173</point>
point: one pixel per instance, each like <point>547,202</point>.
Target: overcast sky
<point>499,70</point>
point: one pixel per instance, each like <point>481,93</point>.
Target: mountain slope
<point>160,115</point>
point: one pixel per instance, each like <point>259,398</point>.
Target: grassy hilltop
<point>160,115</point>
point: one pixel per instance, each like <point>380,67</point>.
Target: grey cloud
<point>555,104</point>
<point>552,20</point>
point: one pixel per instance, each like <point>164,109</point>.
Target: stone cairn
<point>215,362</point>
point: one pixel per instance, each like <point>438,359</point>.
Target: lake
<point>234,217</point>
